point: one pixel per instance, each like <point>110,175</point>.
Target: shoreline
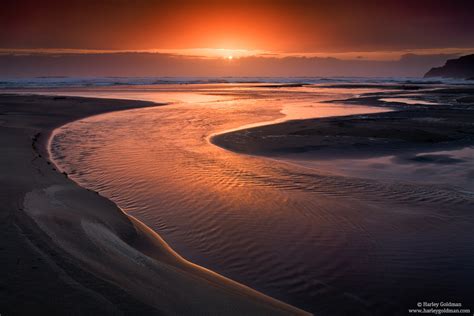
<point>375,198</point>
<point>359,136</point>
<point>83,244</point>
<point>422,138</point>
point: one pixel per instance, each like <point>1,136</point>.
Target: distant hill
<point>462,68</point>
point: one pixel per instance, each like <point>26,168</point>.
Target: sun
<point>230,57</point>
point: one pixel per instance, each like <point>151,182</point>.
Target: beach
<point>428,129</point>
<point>67,249</point>
<point>298,225</point>
<point>302,192</point>
<point>409,128</point>
<point>236,157</point>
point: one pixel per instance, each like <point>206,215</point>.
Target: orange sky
<point>194,38</point>
<point>275,26</point>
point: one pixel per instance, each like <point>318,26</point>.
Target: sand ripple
<point>325,243</point>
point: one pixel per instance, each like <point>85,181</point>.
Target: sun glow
<point>224,53</point>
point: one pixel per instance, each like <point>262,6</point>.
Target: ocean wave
<point>62,82</point>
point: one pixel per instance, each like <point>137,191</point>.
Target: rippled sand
<point>325,242</point>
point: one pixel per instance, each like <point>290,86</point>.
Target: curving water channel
<point>328,243</point>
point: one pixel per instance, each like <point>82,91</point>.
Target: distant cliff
<point>462,68</point>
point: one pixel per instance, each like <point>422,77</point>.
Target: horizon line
<point>225,53</point>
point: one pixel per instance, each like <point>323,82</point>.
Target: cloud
<point>24,64</point>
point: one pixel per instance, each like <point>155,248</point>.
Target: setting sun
<point>230,57</point>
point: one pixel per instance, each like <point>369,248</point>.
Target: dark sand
<point>67,250</point>
<point>408,129</point>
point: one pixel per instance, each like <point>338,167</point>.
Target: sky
<point>209,38</point>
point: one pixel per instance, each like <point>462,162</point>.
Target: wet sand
<point>413,127</point>
<point>427,137</point>
<point>303,235</point>
<point>68,250</point>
